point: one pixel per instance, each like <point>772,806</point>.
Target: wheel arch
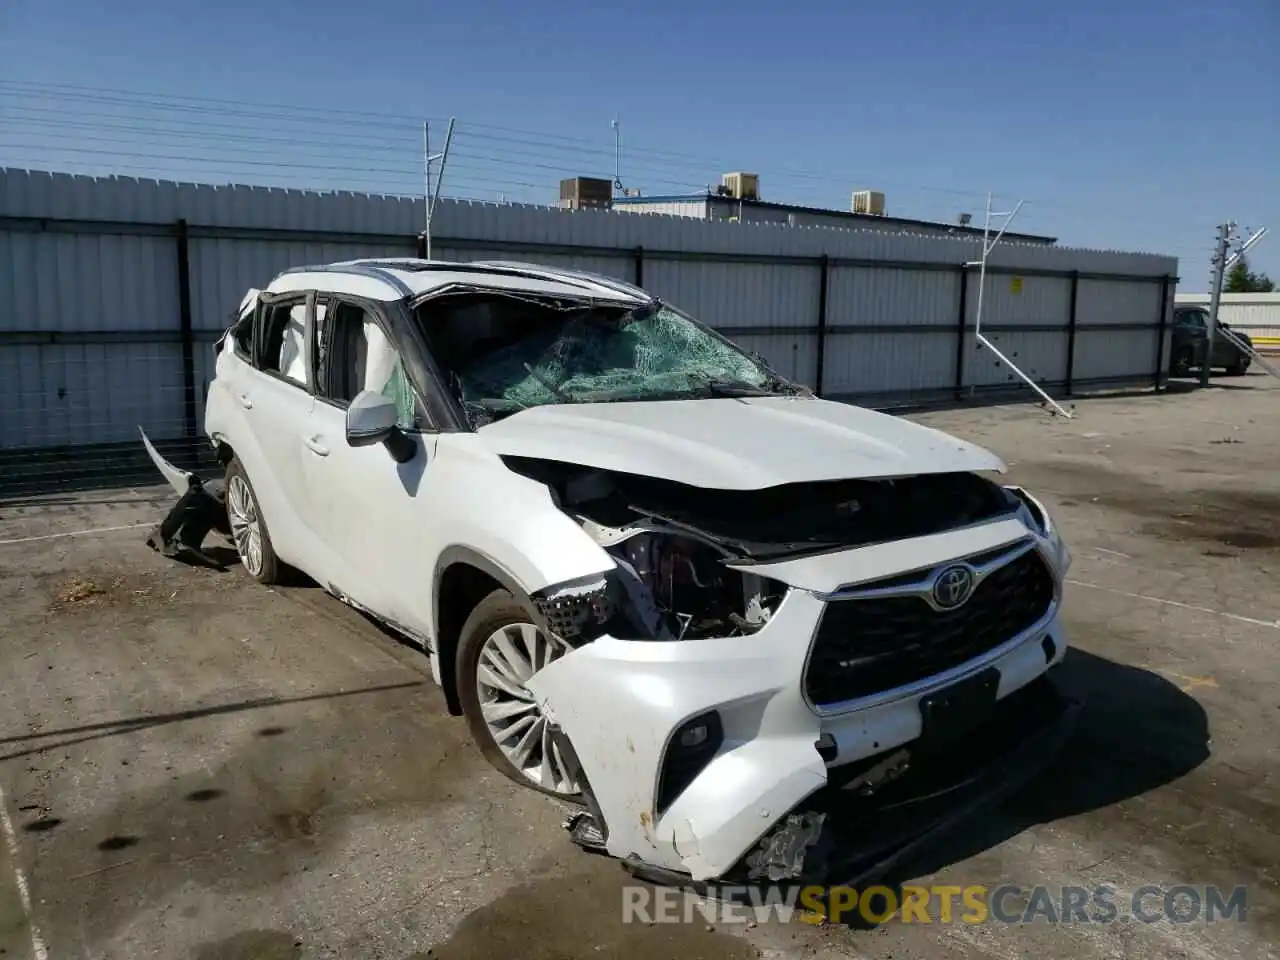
<point>223,451</point>
<point>463,577</point>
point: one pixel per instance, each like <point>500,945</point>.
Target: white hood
<point>746,443</point>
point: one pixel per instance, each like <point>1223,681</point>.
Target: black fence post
<point>638,263</point>
<point>961,325</point>
<point>1071,330</point>
<point>187,331</point>
<point>820,348</point>
<point>1158,377</point>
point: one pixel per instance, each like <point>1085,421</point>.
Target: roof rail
<point>609,283</point>
<point>359,269</point>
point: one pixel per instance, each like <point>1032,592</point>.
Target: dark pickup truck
<point>1190,341</point>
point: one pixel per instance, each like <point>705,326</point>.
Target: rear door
<point>275,395</point>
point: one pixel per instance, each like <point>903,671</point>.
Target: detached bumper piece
<point>201,507</point>
<point>181,533</point>
<point>874,814</point>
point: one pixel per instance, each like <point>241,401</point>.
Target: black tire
<point>1239,368</point>
<point>1180,364</point>
<point>271,570</point>
<point>499,609</point>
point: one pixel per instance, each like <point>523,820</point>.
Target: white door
<point>275,404</point>
<point>365,502</point>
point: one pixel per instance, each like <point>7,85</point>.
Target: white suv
<point>656,578</point>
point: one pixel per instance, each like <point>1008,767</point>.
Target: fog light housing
<point>692,746</point>
<point>694,736</point>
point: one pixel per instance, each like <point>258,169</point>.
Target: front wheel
<point>500,649</point>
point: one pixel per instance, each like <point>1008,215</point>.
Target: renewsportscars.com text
<point>972,904</point>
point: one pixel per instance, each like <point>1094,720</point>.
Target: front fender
<point>485,510</point>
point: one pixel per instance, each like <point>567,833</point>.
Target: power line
<point>341,134</point>
<point>73,89</point>
<point>515,136</point>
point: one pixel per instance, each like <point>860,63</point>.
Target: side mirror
<point>371,418</point>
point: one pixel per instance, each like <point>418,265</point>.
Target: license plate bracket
<point>952,712</point>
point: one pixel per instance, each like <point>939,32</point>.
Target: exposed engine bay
<point>672,542</point>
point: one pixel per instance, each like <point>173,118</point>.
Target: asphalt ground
<point>193,765</point>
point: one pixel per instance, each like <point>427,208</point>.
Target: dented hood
<point>739,443</point>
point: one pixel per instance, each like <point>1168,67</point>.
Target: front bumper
<point>620,702</point>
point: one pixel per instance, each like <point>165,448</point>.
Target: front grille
<point>868,646</point>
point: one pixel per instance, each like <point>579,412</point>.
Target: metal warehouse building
<point>737,199</point>
<point>718,206</point>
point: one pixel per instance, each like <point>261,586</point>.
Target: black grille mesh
<point>868,646</point>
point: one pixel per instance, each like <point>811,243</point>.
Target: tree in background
<point>1240,279</point>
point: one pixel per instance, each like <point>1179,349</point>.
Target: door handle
<point>246,402</point>
<point>315,446</point>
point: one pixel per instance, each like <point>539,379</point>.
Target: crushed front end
<point>756,710</point>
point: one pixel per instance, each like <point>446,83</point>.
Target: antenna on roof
<point>431,198</point>
<point>617,154</point>
<point>989,244</point>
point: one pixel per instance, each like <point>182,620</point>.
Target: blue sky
<point>1132,124</point>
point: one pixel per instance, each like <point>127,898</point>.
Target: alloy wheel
<point>246,526</point>
<point>509,658</point>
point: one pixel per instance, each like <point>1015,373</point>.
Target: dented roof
<point>396,278</point>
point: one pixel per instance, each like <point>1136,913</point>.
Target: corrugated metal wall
<point>108,285</point>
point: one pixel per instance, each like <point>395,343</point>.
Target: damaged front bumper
<point>704,759</point>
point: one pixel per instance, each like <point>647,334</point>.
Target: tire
<point>1239,368</point>
<point>249,527</point>
<point>1180,365</point>
<point>497,631</point>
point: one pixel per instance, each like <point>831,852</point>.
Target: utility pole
<point>1221,264</point>
<point>989,244</point>
<point>432,196</point>
<point>617,157</point>
<point>1215,297</point>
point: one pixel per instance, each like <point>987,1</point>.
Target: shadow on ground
<point>1136,732</point>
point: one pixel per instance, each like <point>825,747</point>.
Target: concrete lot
<point>195,766</point>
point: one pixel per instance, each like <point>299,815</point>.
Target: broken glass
<point>593,354</point>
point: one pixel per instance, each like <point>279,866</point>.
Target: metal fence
<point>1257,314</point>
<point>112,291</point>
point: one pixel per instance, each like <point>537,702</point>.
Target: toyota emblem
<point>953,587</point>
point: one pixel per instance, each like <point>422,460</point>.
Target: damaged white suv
<point>752,633</point>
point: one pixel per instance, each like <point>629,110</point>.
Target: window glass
<point>509,353</point>
<point>358,356</point>
<point>243,334</point>
<point>284,345</point>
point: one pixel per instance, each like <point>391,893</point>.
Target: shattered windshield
<point>505,353</point>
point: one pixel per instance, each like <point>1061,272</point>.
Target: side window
<point>356,355</point>
<point>242,335</point>
<point>284,341</point>
<point>1191,318</point>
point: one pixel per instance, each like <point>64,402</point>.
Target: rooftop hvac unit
<point>868,201</point>
<point>742,186</point>
<point>581,193</point>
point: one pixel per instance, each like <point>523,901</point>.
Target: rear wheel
<point>1239,367</point>
<point>1180,364</point>
<point>248,528</point>
<point>499,650</point>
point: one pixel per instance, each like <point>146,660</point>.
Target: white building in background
<point>738,199</point>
